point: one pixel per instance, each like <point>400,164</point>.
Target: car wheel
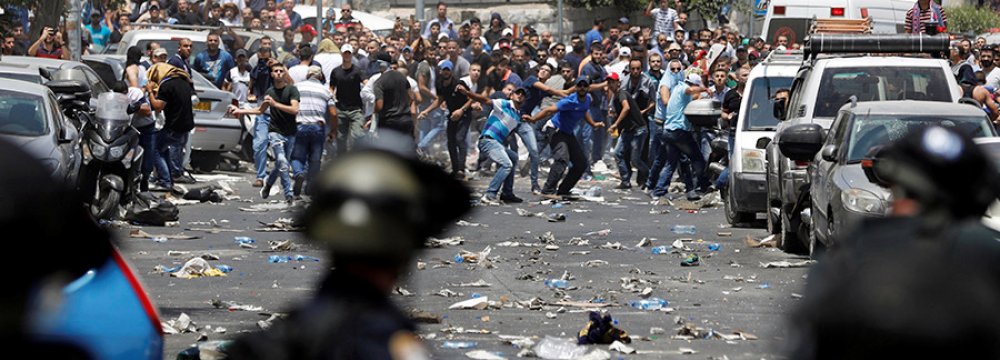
<point>735,217</point>
<point>816,247</point>
<point>790,241</point>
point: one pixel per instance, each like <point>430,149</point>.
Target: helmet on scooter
<point>941,169</point>
<point>377,205</point>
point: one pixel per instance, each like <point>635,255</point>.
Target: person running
<point>316,106</point>
<point>566,149</point>
<point>447,86</point>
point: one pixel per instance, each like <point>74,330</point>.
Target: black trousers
<point>566,152</point>
<point>458,142</point>
<point>401,124</point>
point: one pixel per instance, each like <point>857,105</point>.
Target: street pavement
<point>596,248</point>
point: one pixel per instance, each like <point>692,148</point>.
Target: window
<point>879,84</point>
<point>104,71</point>
<point>868,131</point>
<point>760,115</point>
<point>22,114</point>
<point>97,85</point>
<point>32,78</point>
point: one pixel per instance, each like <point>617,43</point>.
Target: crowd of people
<point>567,102</point>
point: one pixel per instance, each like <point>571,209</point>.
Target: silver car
<point>30,118</point>
<point>215,131</point>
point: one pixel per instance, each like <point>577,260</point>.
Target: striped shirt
<point>926,17</point>
<point>663,21</point>
<point>314,100</point>
<point>502,120</point>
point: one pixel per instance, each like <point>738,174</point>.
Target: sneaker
<point>623,186</point>
<point>690,260</point>
<point>265,191</point>
<point>693,195</point>
<point>511,199</point>
<point>569,197</point>
<point>487,200</point>
<point>185,179</point>
<point>258,183</point>
<point>297,187</point>
<point>289,200</point>
<point>551,197</point>
<point>160,187</point>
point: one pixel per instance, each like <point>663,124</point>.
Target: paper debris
<point>784,264</point>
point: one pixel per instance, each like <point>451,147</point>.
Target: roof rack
<point>874,43</point>
<point>841,26</point>
<point>147,26</point>
<point>784,57</point>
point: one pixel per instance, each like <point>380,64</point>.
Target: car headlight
<point>752,160</point>
<point>862,201</point>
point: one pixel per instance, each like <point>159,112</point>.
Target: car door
<point>69,152</point>
<point>823,184</point>
<point>96,84</point>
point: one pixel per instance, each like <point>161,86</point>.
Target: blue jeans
<point>598,136</point>
<point>260,142</point>
<point>151,159</point>
<point>680,142</point>
<point>628,152</point>
<point>171,145</point>
<point>430,128</point>
<point>657,157</point>
<point>506,160</point>
<point>723,179</point>
<point>282,152</point>
<point>308,151</point>
<point>527,134</point>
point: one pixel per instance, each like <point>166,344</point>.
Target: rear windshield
<point>877,130</point>
<point>760,115</point>
<point>879,84</point>
<point>793,28</point>
<point>22,114</point>
<point>32,78</point>
<point>172,45</point>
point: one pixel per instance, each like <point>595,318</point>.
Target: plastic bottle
<point>476,295</point>
<point>305,258</point>
<point>160,239</point>
<point>648,304</point>
<point>459,259</point>
<point>714,247</point>
<point>556,283</point>
<point>274,259</point>
<point>594,191</point>
<point>684,229</point>
<point>458,344</point>
<point>244,240</point>
<point>224,268</point>
<point>660,250</point>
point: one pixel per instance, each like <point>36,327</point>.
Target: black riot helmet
<point>941,169</point>
<point>379,205</point>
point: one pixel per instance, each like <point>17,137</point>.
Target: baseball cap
<point>693,79</point>
<point>623,20</point>
<point>307,29</point>
<point>503,44</point>
<point>613,76</point>
<point>446,64</point>
<point>241,52</point>
<point>347,48</point>
<point>407,49</point>
<point>314,71</point>
<point>583,81</point>
<point>673,46</point>
<point>383,56</point>
<point>506,32</point>
<point>624,51</point>
<point>159,52</point>
<point>522,89</point>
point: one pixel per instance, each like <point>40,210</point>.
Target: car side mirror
<point>801,142</point>
<point>65,135</point>
<point>829,153</point>
<point>780,108</point>
<point>870,165</point>
<point>763,142</point>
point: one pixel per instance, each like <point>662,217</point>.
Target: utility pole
<point>420,13</point>
<point>73,29</point>
<point>320,15</point>
<point>560,19</point>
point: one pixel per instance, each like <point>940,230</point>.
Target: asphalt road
<point>730,291</point>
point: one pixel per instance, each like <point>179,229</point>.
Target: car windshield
<point>875,130</point>
<point>879,84</point>
<point>22,114</point>
<point>171,46</point>
<point>201,82</point>
<point>761,113</point>
<point>32,78</point>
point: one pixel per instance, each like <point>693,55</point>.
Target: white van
<point>791,17</point>
<point>747,192</point>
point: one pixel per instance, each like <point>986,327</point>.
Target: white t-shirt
<point>328,61</point>
<point>298,73</point>
<point>240,84</point>
<point>993,78</point>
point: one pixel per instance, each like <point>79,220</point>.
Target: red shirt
<point>45,53</point>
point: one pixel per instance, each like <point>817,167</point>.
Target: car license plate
<point>203,106</point>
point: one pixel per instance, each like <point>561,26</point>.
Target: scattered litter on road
<point>784,264</point>
<point>183,324</point>
<point>483,355</point>
<point>766,242</point>
<point>196,267</point>
<point>458,345</point>
<point>604,232</point>
<point>690,260</point>
<point>276,259</point>
<point>265,324</point>
<point>234,306</point>
<point>622,348</point>
<point>559,348</point>
<point>283,224</point>
<point>451,241</point>
<point>678,244</point>
<point>644,243</point>
<point>556,217</point>
<point>714,247</point>
<point>471,224</point>
<point>177,253</point>
<point>611,246</point>
<point>579,242</point>
<point>281,245</point>
<point>399,290</point>
<point>140,234</point>
<point>424,317</point>
<point>557,284</point>
<point>552,247</point>
<point>477,283</point>
<point>648,304</point>
<point>684,229</point>
<point>479,303</point>
<point>687,351</point>
<point>601,329</point>
<point>594,263</point>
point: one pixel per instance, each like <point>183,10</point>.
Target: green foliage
<point>625,6</point>
<point>970,19</point>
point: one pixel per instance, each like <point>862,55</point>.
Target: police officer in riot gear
<point>373,211</point>
<point>923,282</point>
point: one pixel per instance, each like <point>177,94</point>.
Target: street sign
<point>760,7</point>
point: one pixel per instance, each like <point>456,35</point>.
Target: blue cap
<point>407,49</point>
<point>446,64</point>
<point>523,89</point>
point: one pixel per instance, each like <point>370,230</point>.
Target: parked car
<point>831,74</point>
<point>30,118</point>
<point>991,146</point>
<point>378,25</point>
<point>215,132</point>
<point>167,38</point>
<point>80,72</point>
<point>747,192</point>
<point>840,193</point>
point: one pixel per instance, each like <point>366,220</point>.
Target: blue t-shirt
<point>502,120</point>
<point>532,97</point>
<point>592,35</point>
<point>596,74</point>
<point>670,80</point>
<point>571,112</point>
<point>679,99</point>
<point>216,67</point>
<point>99,37</point>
